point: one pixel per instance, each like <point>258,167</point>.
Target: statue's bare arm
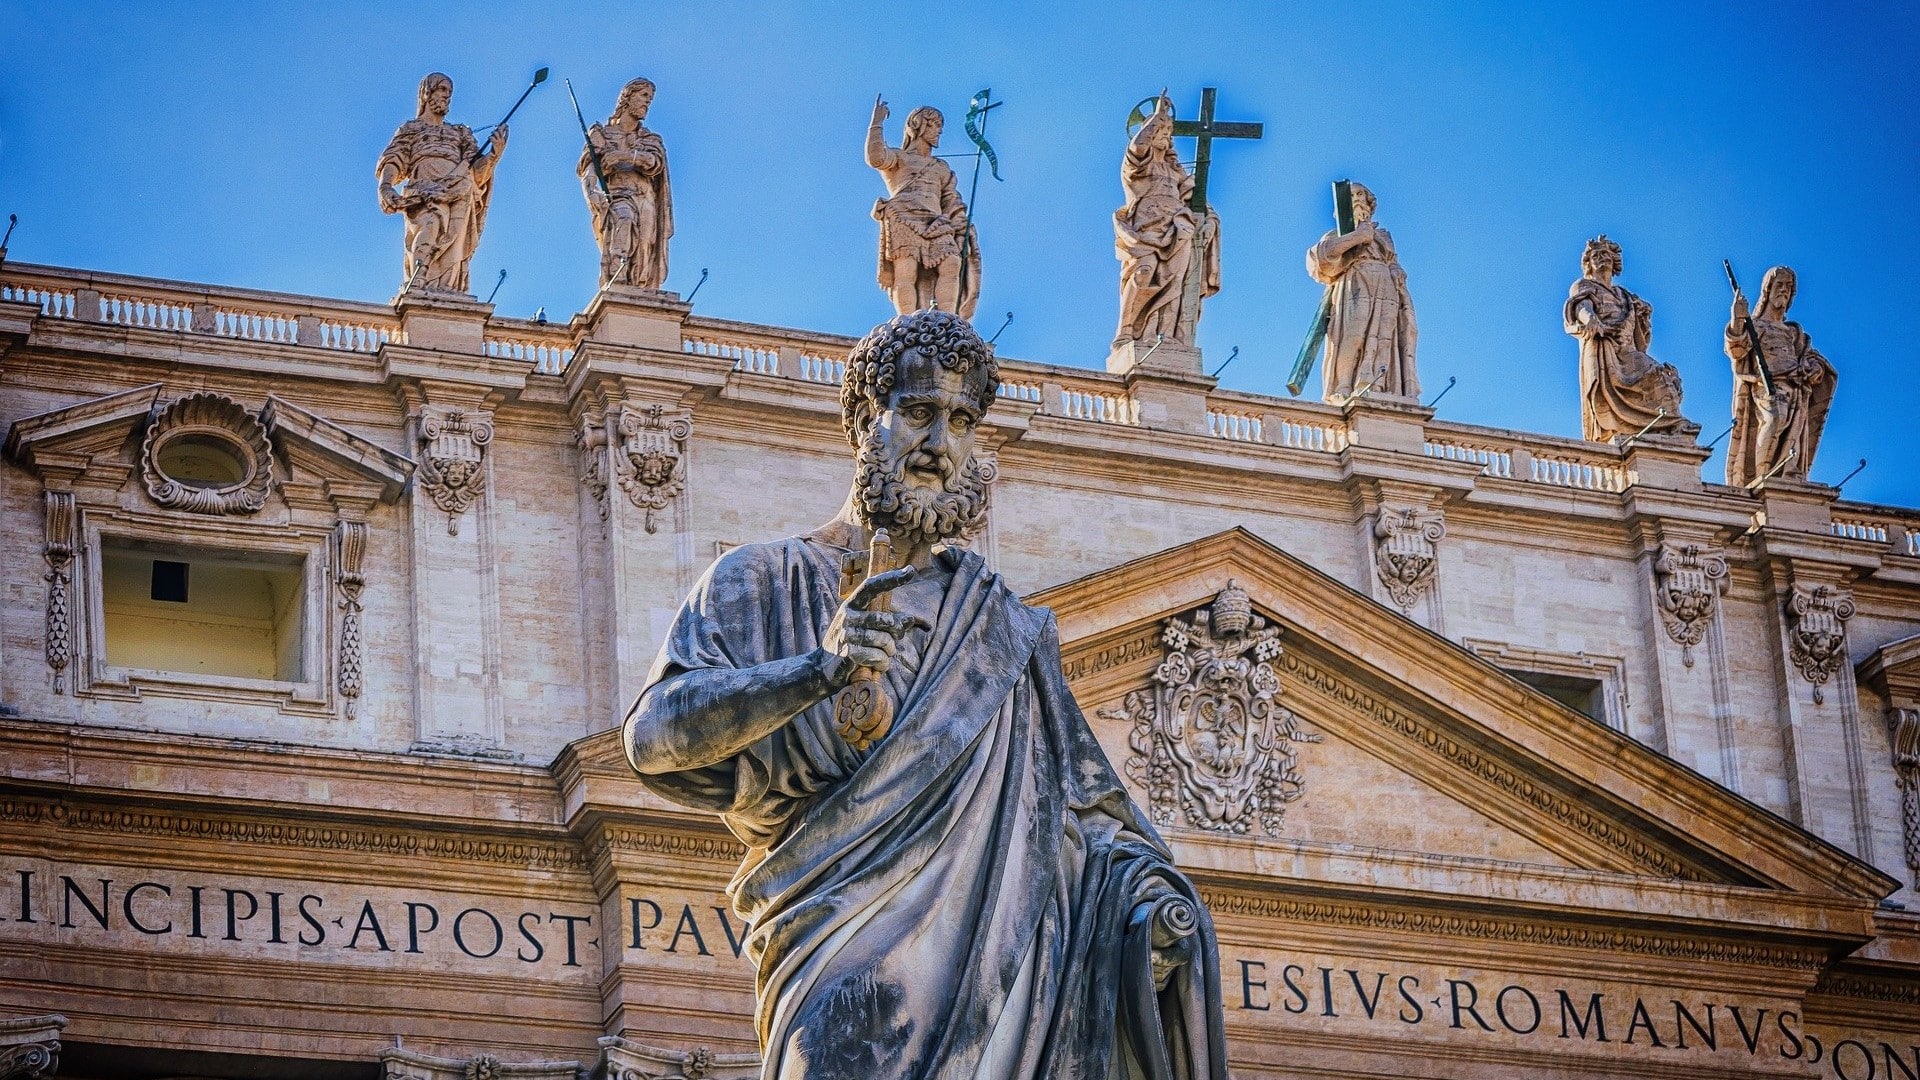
<point>705,716</point>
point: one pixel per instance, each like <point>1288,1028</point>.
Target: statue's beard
<point>913,514</point>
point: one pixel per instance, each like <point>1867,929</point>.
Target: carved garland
<point>1208,738</point>
<point>453,446</point>
<point>59,556</point>
<point>1903,731</point>
<point>652,462</point>
<point>1688,580</point>
<point>350,548</point>
<point>223,427</point>
<point>1817,632</point>
<point>1404,553</point>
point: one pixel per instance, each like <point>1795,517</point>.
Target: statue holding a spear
<point>441,178</point>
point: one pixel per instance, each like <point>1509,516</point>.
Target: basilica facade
<point>1493,754</point>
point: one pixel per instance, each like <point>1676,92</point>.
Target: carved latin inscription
<point>652,462</point>
<point>453,444</point>
<point>1404,539</point>
<point>1817,632</point>
<point>1689,580</point>
<point>1208,738</point>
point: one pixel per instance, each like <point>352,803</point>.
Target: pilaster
<point>1818,707</point>
<point>1171,400</point>
<point>456,587</point>
<point>1684,567</point>
<point>443,323</point>
<point>1667,463</point>
<point>1401,528</point>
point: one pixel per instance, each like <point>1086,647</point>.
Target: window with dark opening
<point>1581,695</point>
<point>203,612</point>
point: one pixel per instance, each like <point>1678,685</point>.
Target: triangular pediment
<point>1431,765</point>
<point>75,434</point>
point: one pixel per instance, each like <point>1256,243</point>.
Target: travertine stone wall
<point>532,620</point>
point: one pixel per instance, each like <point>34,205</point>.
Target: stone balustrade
<point>1073,394</point>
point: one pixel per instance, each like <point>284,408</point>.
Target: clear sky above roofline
<point>235,144</point>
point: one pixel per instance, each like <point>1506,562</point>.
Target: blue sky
<point>235,144</point>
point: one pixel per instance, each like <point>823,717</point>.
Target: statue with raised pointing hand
<point>925,236</point>
<point>948,880</point>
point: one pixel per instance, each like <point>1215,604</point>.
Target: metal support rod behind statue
<point>1753,332</point>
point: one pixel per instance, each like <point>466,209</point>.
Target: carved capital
<point>1817,631</point>
<point>30,1047</point>
<point>1689,580</point>
<point>1903,732</point>
<point>1209,739</point>
<point>1404,553</point>
<point>206,454</point>
<point>400,1064</point>
<point>453,446</point>
<point>622,1059</point>
<point>651,459</point>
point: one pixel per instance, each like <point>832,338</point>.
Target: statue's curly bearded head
<point>913,390</point>
<point>635,99</point>
<point>1776,292</point>
<point>1601,253</point>
<point>1364,201</point>
<point>434,81</point>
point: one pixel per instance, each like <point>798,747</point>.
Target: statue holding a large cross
<point>1167,237</point>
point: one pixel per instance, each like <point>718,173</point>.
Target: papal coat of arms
<point>1208,738</point>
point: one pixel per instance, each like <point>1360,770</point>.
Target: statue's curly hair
<point>1601,247</point>
<point>873,367</point>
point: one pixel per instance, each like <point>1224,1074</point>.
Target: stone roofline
<point>1150,405</point>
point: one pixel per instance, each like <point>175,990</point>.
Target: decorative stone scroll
<point>400,1064</point>
<point>622,1059</point>
<point>1903,732</point>
<point>1688,581</point>
<point>1404,553</point>
<point>652,462</point>
<point>350,549</point>
<point>59,555</point>
<point>30,1047</point>
<point>591,440</point>
<point>1817,632</point>
<point>206,454</point>
<point>453,446</point>
<point>1208,738</point>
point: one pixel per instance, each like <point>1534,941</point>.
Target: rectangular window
<point>1581,695</point>
<point>204,612</point>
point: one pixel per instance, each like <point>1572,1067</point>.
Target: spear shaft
<point>538,78</point>
<point>593,156</point>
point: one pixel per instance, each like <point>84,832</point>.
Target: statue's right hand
<point>1740,310</point>
<point>880,111</point>
<point>861,638</point>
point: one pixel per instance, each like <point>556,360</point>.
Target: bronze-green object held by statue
<point>1322,318</point>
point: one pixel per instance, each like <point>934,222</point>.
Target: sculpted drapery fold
<point>1371,333</point>
<point>1775,433</point>
<point>1623,391</point>
<point>1156,236</point>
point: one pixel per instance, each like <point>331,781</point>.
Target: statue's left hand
<point>499,139</point>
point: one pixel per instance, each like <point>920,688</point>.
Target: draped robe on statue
<point>1623,390</point>
<point>1371,335</point>
<point>964,899</point>
<point>1780,430</point>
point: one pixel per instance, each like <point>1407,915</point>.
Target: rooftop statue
<point>1156,235</point>
<point>1778,415</point>
<point>1371,332</point>
<point>440,178</point>
<point>944,876</point>
<point>623,171</point>
<point>924,232</point>
<point>1623,391</point>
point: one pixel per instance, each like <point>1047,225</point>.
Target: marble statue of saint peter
<point>972,895</point>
